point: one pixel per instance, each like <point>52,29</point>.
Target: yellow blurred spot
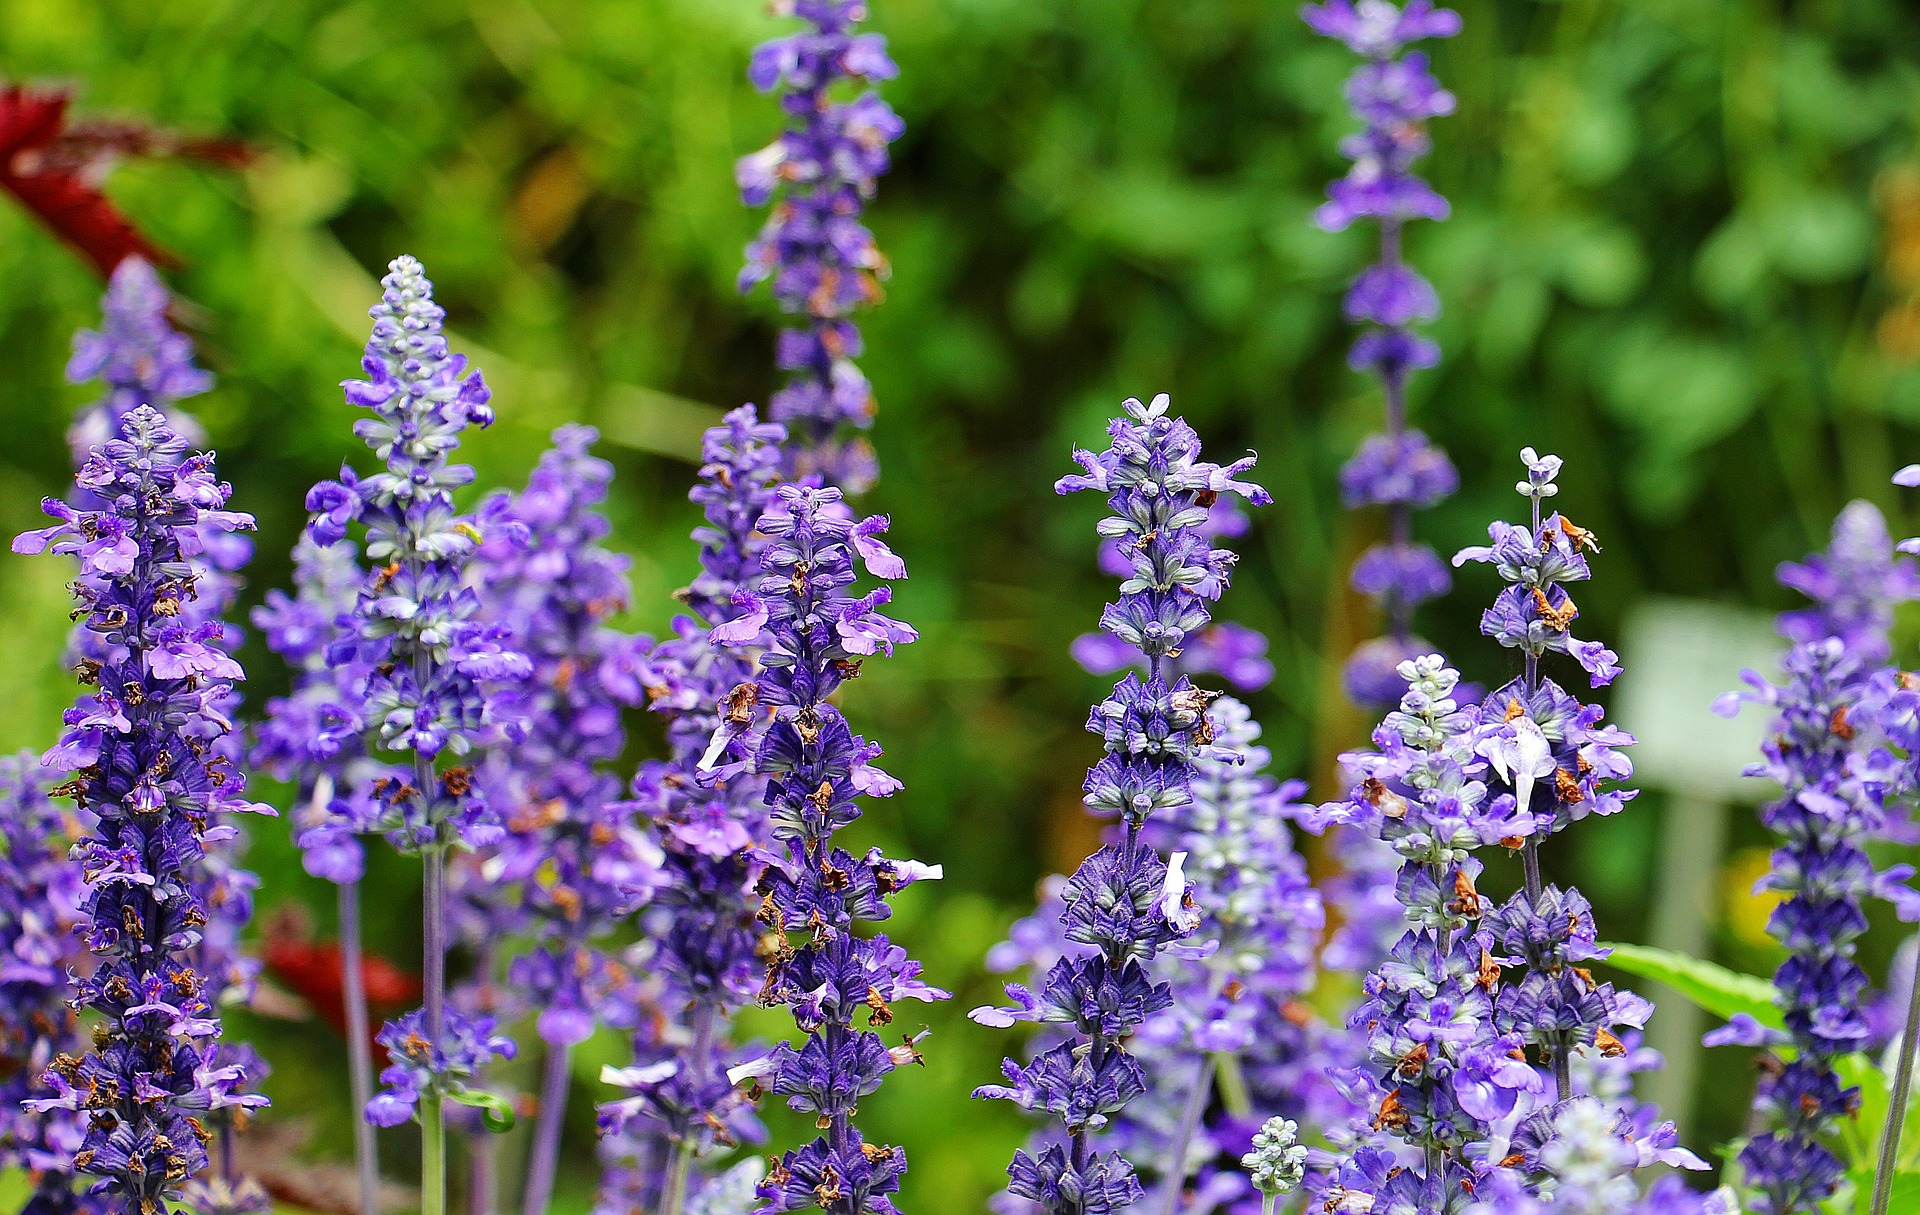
<point>1747,912</point>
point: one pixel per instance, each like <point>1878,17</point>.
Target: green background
<point>1685,255</point>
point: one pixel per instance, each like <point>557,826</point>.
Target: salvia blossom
<point>811,635</point>
<point>1394,94</point>
<point>432,667</point>
<point>41,900</point>
<point>1577,1158</point>
<point>571,865</point>
<point>144,756</point>
<point>1232,651</point>
<point>1551,762</point>
<point>1125,903</point>
<point>420,1068</point>
<point>1439,1073</point>
<point>1277,1162</point>
<point>701,924</point>
<point>1235,1009</point>
<point>311,737</point>
<point>819,258</point>
<point>140,359</point>
<point>1823,751</point>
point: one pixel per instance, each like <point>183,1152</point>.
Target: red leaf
<point>55,168</point>
<point>55,189</point>
<point>313,970</point>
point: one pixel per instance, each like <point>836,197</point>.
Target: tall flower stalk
<point>430,668</point>
<point>1438,1073</point>
<point>144,754</point>
<point>138,358</point>
<point>819,260</point>
<point>42,901</point>
<point>1825,752</point>
<point>1235,1046</point>
<point>707,825</point>
<point>812,635</point>
<point>308,739</point>
<point>1554,761</point>
<point>1125,902</point>
<point>571,865</point>
<point>1394,94</point>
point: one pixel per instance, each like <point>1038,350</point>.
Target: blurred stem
<point>433,1117</point>
<point>1232,1084</point>
<point>1897,1107</point>
<point>483,1158</point>
<point>359,1047</point>
<point>699,1057</point>
<point>546,1132</point>
<point>1199,1089</point>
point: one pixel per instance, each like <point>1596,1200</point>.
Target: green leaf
<point>496,1111</point>
<point>1860,1134</point>
<point>1902,1199</point>
<point>1713,987</point>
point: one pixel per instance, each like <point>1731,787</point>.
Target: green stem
<point>433,1155</point>
<point>1896,1108</point>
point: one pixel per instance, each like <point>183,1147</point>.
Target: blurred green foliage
<point>1685,255</point>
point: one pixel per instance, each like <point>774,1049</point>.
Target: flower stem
<point>433,1119</point>
<point>433,1155</point>
<point>483,1174</point>
<point>366,1157</point>
<point>1199,1089</point>
<point>546,1134</point>
<point>1232,1083</point>
<point>699,1059</point>
<point>1897,1107</point>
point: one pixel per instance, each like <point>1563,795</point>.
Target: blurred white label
<point>1679,655</point>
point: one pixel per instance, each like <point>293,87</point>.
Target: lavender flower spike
<point>140,358</point>
<point>572,866</point>
<point>1124,901</point>
<point>42,901</point>
<point>1552,762</point>
<point>816,635</point>
<point>139,757</point>
<point>821,261</point>
<point>1577,1161</point>
<point>704,931</point>
<point>1826,753</point>
<point>1439,1075</point>
<point>1393,95</point>
<point>432,667</point>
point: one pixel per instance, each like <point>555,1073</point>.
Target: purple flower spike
<point>138,755</point>
<point>811,635</point>
<point>1239,998</point>
<point>819,258</point>
<point>418,675</point>
<point>418,1067</point>
<point>1126,905</point>
<point>570,866</point>
<point>42,901</point>
<point>140,358</point>
<point>1394,96</point>
<point>1835,708</point>
<point>1438,1072</point>
<point>1476,1004</point>
<point>416,667</point>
